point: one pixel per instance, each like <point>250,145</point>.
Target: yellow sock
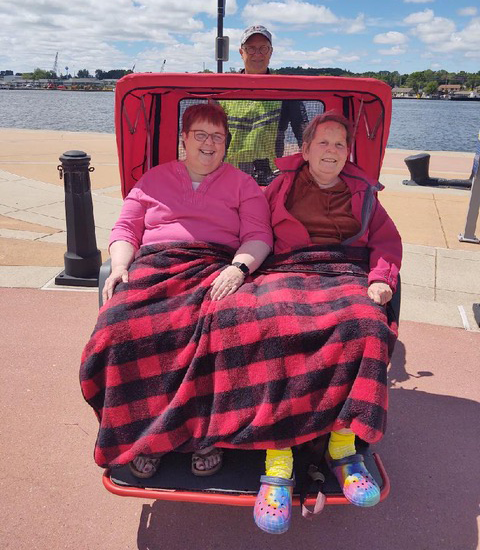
<point>341,445</point>
<point>279,463</point>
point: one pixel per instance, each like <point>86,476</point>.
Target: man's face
<point>256,63</point>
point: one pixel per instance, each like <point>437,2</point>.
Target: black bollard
<point>82,258</point>
<point>418,168</point>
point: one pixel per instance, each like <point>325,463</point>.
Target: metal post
<point>474,206</point>
<point>82,259</point>
<point>221,13</point>
<point>468,235</point>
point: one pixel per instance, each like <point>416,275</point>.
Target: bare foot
<point>207,461</point>
<point>145,466</point>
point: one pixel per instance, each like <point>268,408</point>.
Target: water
<point>434,125</point>
<point>424,125</point>
<point>57,110</point>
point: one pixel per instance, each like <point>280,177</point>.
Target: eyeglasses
<point>202,136</point>
<point>251,50</point>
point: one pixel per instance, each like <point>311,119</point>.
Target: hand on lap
<point>228,281</point>
<point>118,274</point>
<point>380,293</point>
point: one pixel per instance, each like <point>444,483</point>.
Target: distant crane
<point>55,65</point>
<point>163,66</point>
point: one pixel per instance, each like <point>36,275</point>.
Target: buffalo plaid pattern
<point>297,351</point>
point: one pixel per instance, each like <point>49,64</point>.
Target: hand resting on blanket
<point>380,293</point>
<point>252,254</point>
<point>122,254</point>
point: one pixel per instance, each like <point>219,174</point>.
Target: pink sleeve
<point>385,246</point>
<point>254,214</point>
<point>131,223</point>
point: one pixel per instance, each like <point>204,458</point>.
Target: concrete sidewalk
<point>52,496</point>
<point>440,275</point>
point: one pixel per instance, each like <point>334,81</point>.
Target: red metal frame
<point>226,499</point>
<point>146,102</point>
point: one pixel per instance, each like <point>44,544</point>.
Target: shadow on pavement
<point>429,450</point>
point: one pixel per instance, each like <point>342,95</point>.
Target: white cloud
<point>349,58</point>
<point>394,50</point>
<point>467,40</point>
<point>107,34</point>
<point>391,37</point>
<point>93,34</point>
<point>419,17</point>
<point>469,11</point>
<point>441,36</point>
<point>323,57</point>
<point>438,30</point>
<point>418,1</point>
<point>354,26</point>
<point>291,12</point>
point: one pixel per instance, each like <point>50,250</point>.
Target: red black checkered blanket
<point>297,351</point>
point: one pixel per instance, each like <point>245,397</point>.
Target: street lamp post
<point>221,43</point>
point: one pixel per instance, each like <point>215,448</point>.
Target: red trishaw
<point>148,110</point>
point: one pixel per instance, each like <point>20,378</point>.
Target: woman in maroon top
<point>321,198</point>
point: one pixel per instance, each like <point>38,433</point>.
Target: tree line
<point>419,80</point>
<point>427,80</point>
<point>40,74</point>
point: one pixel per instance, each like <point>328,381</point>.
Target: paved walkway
<point>52,497</point>
<point>51,491</point>
<point>440,275</point>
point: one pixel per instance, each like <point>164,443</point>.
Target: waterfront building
<point>403,93</point>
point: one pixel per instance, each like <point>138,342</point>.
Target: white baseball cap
<point>255,29</point>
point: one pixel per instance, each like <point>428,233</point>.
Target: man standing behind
<point>258,127</point>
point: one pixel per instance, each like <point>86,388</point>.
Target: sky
<point>179,35</point>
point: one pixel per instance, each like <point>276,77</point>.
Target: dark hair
<point>209,112</point>
<point>310,130</point>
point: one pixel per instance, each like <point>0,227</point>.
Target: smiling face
<point>327,153</point>
<point>202,158</point>
<point>256,63</point>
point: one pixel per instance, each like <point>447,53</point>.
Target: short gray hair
<point>334,116</point>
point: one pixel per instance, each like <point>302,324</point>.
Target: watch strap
<point>242,267</point>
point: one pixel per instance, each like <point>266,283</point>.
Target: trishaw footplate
<point>239,475</point>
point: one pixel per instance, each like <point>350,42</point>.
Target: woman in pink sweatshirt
<point>198,199</point>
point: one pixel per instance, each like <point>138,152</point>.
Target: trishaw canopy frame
<point>147,112</point>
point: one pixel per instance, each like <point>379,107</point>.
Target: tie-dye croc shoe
<point>273,506</point>
<point>356,482</point>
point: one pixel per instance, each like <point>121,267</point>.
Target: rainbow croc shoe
<point>356,482</point>
<point>273,506</point>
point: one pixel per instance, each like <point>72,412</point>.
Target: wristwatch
<point>242,267</point>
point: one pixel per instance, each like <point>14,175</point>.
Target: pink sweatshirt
<point>227,208</point>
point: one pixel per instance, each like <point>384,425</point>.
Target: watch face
<point>243,268</point>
